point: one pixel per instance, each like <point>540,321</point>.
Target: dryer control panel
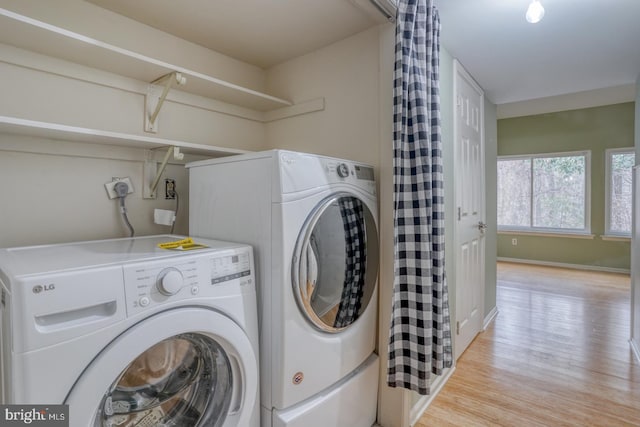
<point>209,274</point>
<point>302,172</point>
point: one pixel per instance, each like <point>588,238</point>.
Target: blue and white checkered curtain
<point>420,336</point>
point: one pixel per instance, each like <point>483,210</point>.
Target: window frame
<point>587,195</point>
<point>608,156</point>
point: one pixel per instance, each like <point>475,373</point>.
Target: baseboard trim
<point>566,265</point>
<point>635,349</point>
<point>489,318</point>
<point>423,403</point>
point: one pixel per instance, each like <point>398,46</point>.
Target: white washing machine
<point>312,222</point>
<point>128,334</point>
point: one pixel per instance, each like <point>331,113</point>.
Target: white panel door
<point>470,220</point>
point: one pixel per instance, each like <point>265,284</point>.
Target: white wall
<point>109,27</point>
<point>59,197</point>
<point>40,88</point>
<point>53,198</point>
<point>54,190</point>
<point>393,403</point>
<point>346,75</point>
<point>568,101</point>
<point>447,110</point>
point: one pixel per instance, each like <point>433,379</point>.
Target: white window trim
<point>536,233</point>
<point>586,231</point>
<point>608,154</point>
<point>616,238</point>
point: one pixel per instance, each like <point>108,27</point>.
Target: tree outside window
<point>620,164</point>
<point>546,192</point>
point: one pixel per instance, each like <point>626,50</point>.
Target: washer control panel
<point>201,275</point>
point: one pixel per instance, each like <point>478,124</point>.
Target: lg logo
<point>39,288</point>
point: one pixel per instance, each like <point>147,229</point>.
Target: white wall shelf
<point>37,36</point>
<point>56,131</point>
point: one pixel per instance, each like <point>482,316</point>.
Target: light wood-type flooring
<point>557,354</point>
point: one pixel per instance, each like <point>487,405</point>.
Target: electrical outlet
<point>109,186</point>
<point>514,242</point>
<point>169,189</point>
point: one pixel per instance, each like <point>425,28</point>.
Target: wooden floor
<point>557,354</point>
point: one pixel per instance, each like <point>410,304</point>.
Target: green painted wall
<point>491,202</point>
<point>595,129</point>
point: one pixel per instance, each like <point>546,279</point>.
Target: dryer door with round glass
<point>335,262</point>
<point>161,373</point>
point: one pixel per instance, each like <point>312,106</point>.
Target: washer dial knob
<point>343,170</point>
<point>169,281</point>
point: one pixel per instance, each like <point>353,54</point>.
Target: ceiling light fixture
<point>535,12</point>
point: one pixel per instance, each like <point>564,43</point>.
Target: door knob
<point>482,226</point>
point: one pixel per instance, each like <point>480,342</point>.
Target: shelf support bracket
<point>156,94</point>
<point>152,171</point>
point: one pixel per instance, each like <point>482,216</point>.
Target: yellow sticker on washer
<point>182,245</point>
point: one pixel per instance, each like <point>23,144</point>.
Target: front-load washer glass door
<point>185,380</point>
<point>185,367</point>
<point>335,262</point>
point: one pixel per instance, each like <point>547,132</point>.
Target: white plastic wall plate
<point>109,186</point>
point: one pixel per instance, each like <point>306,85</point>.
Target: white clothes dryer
<point>312,221</point>
<point>129,334</point>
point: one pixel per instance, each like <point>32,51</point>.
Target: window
<point>547,193</point>
<point>619,191</point>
